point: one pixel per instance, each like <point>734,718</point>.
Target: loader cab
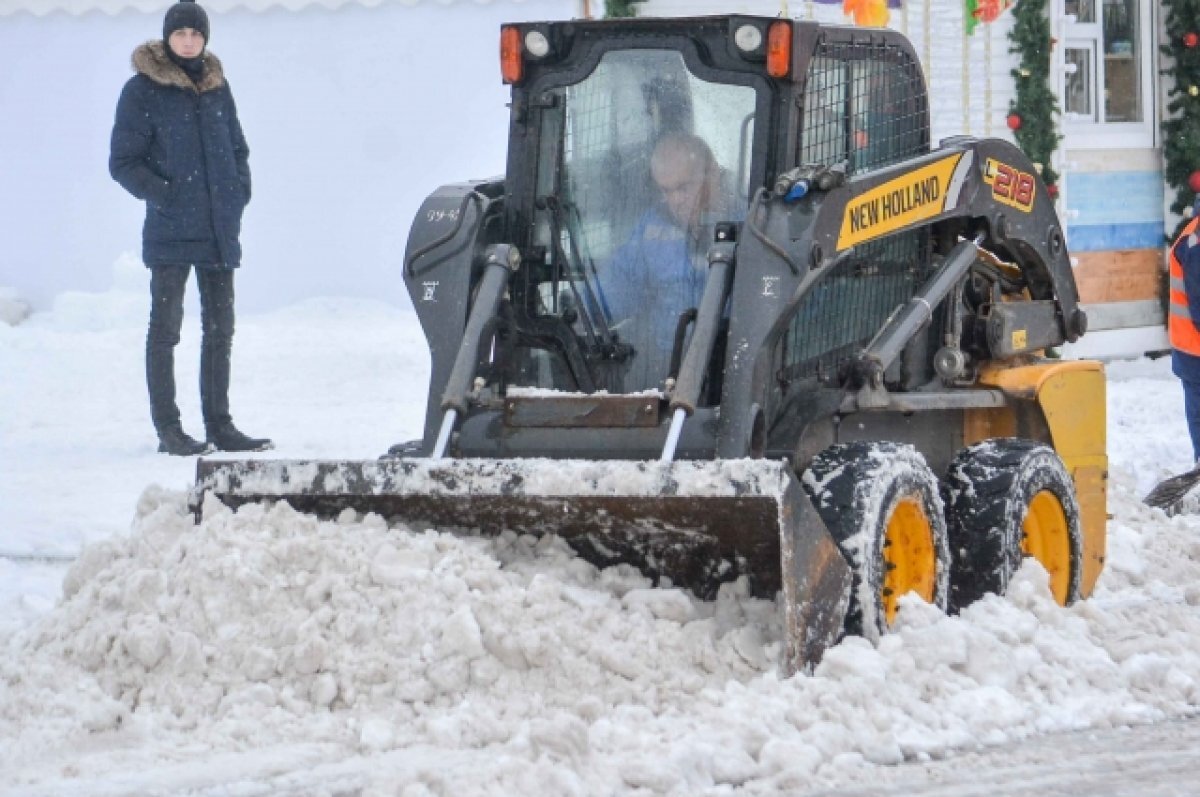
<point>628,147</point>
<point>611,271</point>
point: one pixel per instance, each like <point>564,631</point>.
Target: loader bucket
<point>690,524</point>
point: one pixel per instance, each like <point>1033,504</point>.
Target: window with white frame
<point>1107,58</point>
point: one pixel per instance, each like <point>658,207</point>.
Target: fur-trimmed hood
<point>150,59</point>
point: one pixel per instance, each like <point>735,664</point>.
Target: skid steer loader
<point>730,314</point>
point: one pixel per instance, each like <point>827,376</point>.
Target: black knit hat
<point>185,15</point>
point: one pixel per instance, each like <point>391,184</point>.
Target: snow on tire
<point>1009,498</point>
<point>881,503</point>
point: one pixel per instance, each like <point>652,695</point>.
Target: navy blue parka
<point>178,145</point>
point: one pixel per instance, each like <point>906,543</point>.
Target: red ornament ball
<point>1190,39</point>
<point>1014,121</point>
<point>1194,181</point>
<point>1052,190</point>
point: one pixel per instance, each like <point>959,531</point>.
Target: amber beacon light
<point>779,49</point>
<point>510,54</point>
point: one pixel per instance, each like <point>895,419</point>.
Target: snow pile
<point>241,628</point>
<point>510,664</point>
<point>13,309</point>
<point>123,306</point>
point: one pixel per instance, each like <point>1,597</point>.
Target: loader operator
<point>660,271</point>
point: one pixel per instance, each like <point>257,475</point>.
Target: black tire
<point>1009,498</point>
<point>877,499</point>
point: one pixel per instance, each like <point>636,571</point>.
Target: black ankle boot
<point>226,437</point>
<point>176,442</point>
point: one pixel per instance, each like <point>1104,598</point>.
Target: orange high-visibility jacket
<point>1181,327</point>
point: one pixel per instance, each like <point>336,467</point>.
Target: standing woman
<point>177,144</point>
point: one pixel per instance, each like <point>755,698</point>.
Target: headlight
<point>536,44</point>
<point>748,38</point>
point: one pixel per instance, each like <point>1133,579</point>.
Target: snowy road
<point>1160,760</point>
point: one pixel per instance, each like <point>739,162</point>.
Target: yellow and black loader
<point>854,401</point>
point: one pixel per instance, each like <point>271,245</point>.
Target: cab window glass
<point>638,162</point>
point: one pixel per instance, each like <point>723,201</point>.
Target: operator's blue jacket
<point>659,272</point>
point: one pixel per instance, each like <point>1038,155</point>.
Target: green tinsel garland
<point>620,8</point>
<point>1181,131</point>
<point>1035,104</point>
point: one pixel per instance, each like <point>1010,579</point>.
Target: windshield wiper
<point>595,317</point>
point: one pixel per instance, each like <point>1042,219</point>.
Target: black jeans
<point>167,285</point>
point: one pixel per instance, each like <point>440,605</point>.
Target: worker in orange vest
<point>1183,321</point>
<point>1183,326</point>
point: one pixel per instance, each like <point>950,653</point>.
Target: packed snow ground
<point>265,652</point>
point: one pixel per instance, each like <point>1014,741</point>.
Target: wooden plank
<point>1119,276</point>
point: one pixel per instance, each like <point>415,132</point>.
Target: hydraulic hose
<point>501,260</point>
<point>900,328</point>
<point>695,362</point>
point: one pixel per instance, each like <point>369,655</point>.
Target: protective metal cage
<point>865,106</point>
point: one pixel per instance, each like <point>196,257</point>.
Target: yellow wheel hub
<point>1047,537</point>
<point>909,561</point>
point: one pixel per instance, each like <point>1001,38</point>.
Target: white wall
<point>353,116</point>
